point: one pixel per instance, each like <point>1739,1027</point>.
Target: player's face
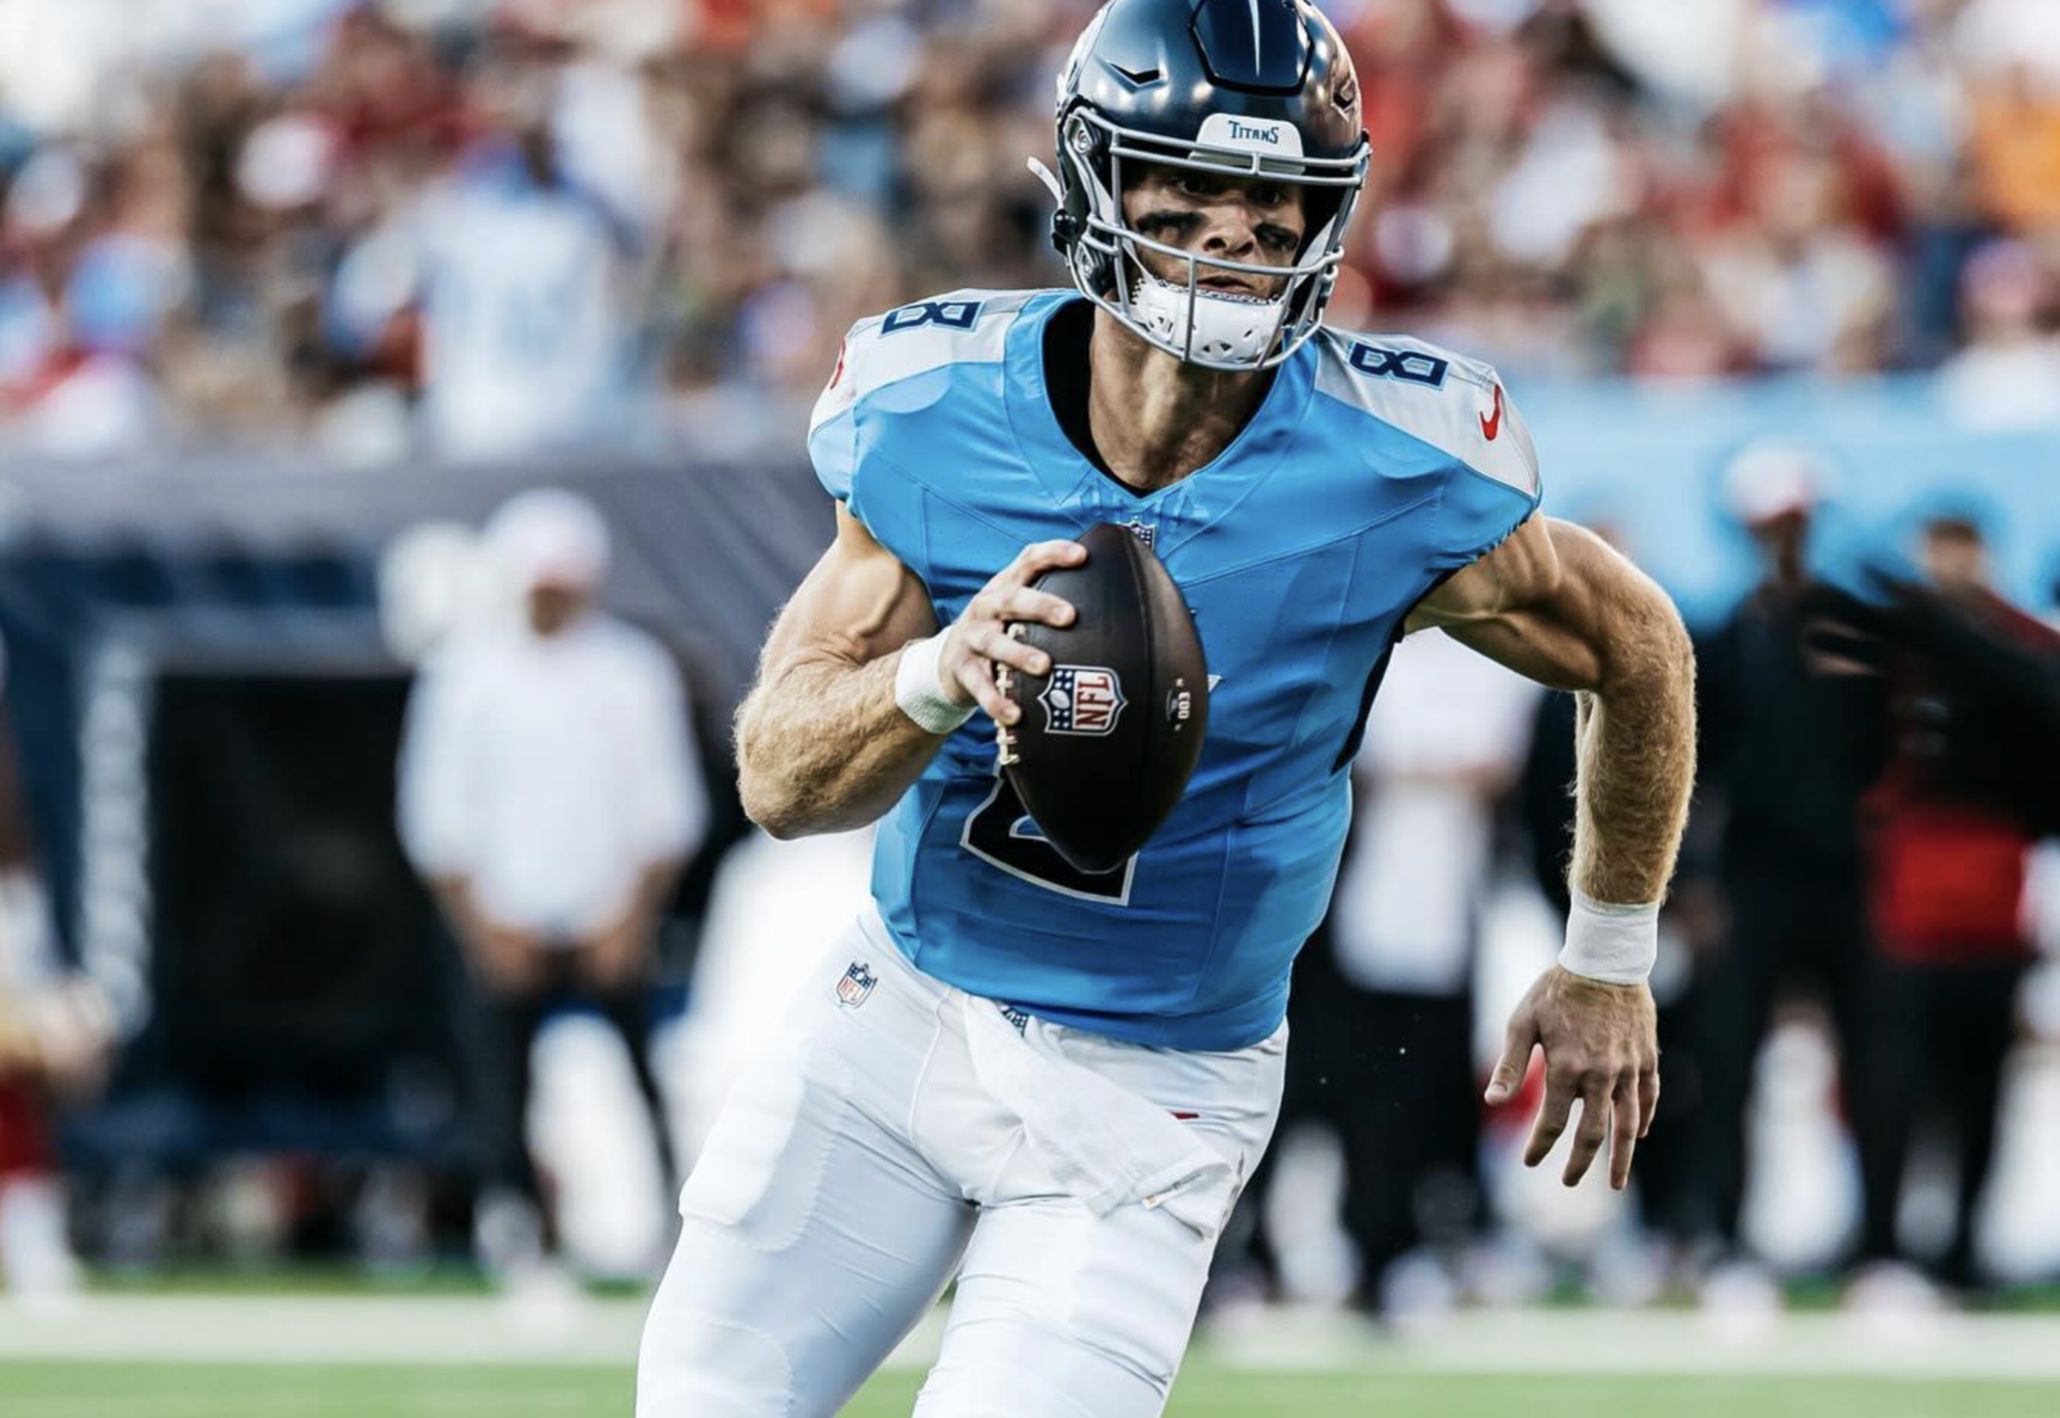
<point>1255,220</point>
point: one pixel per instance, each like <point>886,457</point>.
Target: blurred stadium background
<point>294,293</point>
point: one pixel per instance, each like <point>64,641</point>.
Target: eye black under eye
<point>1167,223</point>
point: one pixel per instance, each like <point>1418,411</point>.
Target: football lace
<point>1004,680</point>
<point>1004,737</point>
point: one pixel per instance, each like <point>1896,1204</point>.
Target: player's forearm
<point>1635,746</point>
<point>822,746</point>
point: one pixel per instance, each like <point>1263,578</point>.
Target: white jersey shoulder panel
<point>958,327</point>
<point>1445,399</point>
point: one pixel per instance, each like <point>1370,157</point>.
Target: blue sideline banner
<point>1653,460</point>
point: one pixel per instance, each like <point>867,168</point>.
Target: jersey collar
<point>1188,505</point>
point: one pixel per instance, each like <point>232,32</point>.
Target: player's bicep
<point>1534,604</point>
<point>857,604</point>
<point>1512,573</point>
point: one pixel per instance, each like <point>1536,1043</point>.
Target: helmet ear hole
<point>1084,191</point>
<point>1084,157</point>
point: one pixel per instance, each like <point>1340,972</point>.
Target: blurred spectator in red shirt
<point>1950,835</point>
<point>54,1036</point>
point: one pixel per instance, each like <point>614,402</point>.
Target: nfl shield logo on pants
<point>857,983</point>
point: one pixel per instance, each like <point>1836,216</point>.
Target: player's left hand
<point>1601,1045</point>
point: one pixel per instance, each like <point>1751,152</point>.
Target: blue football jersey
<point>1375,466</point>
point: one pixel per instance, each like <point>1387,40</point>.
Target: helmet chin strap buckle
<point>1066,226</point>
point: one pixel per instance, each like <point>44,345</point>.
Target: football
<point>1107,739</point>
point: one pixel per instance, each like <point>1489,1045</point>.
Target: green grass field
<point>137,1352</point>
<point>36,1389</point>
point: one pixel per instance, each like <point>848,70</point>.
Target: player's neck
<point>1155,419</point>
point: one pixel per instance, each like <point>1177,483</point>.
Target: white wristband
<point>919,687</point>
<point>1614,944</point>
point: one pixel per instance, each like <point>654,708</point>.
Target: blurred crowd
<point>493,226</point>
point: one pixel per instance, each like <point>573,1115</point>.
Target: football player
<point>1050,1084</point>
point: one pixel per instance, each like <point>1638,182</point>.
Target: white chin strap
<point>1227,328</point>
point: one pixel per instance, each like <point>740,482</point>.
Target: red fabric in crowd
<point>24,1137</point>
<point>1948,876</point>
<point>1948,884</point>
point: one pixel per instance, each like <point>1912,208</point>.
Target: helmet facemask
<point>1214,329</point>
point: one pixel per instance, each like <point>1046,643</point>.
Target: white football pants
<point>896,1131</point>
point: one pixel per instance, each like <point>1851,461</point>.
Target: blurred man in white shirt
<point>549,794</point>
<point>1443,742</point>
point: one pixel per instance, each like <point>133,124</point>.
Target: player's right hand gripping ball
<point>1109,738</point>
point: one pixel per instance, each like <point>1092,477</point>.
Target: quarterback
<point>1049,1084</point>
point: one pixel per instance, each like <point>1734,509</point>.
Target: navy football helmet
<point>1258,88</point>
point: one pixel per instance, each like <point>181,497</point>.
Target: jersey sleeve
<point>1492,486</point>
<point>833,426</point>
<point>888,406</point>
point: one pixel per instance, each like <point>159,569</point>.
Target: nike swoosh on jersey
<point>1491,427</point>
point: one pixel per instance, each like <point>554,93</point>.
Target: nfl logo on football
<point>856,985</point>
<point>1082,699</point>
